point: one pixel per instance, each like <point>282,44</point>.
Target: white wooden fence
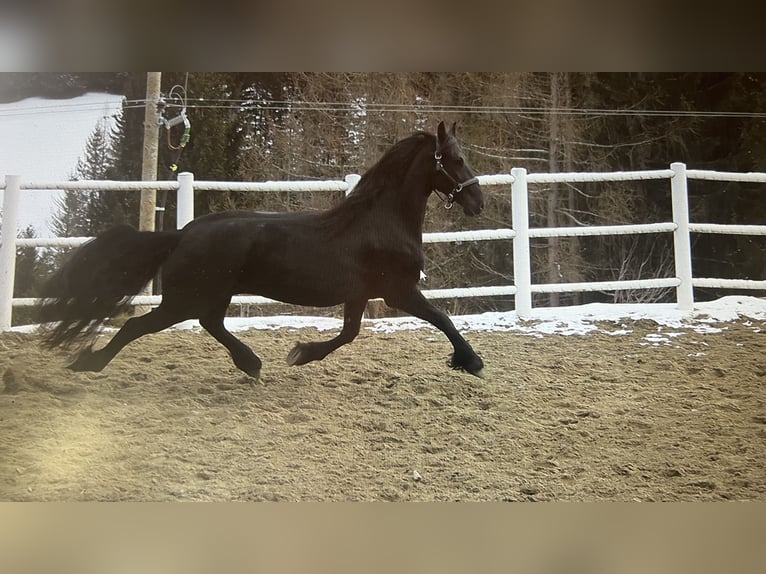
<point>520,232</point>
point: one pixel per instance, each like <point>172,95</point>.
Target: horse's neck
<point>405,201</point>
<point>413,197</point>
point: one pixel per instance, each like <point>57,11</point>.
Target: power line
<point>62,108</point>
<point>356,107</point>
<point>371,107</point>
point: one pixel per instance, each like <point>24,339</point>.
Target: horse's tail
<point>99,280</point>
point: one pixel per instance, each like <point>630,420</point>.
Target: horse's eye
<point>460,162</point>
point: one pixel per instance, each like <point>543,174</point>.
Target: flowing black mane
<point>387,174</point>
<point>391,169</point>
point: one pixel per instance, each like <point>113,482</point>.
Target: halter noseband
<point>449,199</point>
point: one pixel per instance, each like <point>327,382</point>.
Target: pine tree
<point>71,217</point>
<point>88,212</point>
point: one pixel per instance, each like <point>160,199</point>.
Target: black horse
<point>368,246</point>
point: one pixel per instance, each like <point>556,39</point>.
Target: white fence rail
<point>519,233</point>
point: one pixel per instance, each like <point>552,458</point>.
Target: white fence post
<point>8,248</point>
<point>681,240</point>
<point>522,273</point>
<point>185,199</point>
<point>352,179</point>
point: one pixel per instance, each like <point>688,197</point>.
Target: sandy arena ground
<point>651,415</point>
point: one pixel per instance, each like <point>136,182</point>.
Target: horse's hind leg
<point>156,320</point>
<point>241,354</point>
<point>303,353</point>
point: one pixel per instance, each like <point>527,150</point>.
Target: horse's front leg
<point>414,303</point>
<point>304,353</point>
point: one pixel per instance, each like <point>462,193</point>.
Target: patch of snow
<point>575,320</point>
<point>581,319</point>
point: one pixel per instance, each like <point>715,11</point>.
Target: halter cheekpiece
<point>449,198</point>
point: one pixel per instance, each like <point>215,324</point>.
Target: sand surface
<point>658,414</point>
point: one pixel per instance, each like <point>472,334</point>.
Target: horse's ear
<point>452,129</point>
<point>441,134</point>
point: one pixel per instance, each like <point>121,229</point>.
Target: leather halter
<point>449,198</point>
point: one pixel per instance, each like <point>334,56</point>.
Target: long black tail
<point>99,280</point>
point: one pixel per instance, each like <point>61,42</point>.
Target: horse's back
<point>248,216</point>
<point>284,256</point>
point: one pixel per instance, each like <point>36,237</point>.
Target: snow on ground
<point>613,319</point>
<point>577,320</point>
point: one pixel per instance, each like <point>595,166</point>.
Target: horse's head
<point>454,179</point>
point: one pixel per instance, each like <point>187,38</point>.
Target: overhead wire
<point>297,105</point>
<point>369,107</point>
<point>61,107</point>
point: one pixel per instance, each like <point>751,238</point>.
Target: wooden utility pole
<point>149,160</point>
<point>148,205</point>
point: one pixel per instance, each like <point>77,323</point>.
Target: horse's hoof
<point>481,373</point>
<point>86,361</point>
<point>254,374</point>
<point>472,365</point>
<point>295,356</point>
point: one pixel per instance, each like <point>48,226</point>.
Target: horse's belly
<point>321,286</point>
<point>287,294</point>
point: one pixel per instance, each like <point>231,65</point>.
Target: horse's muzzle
<point>473,207</point>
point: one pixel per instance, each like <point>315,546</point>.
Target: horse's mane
<point>388,172</point>
<point>391,168</point>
